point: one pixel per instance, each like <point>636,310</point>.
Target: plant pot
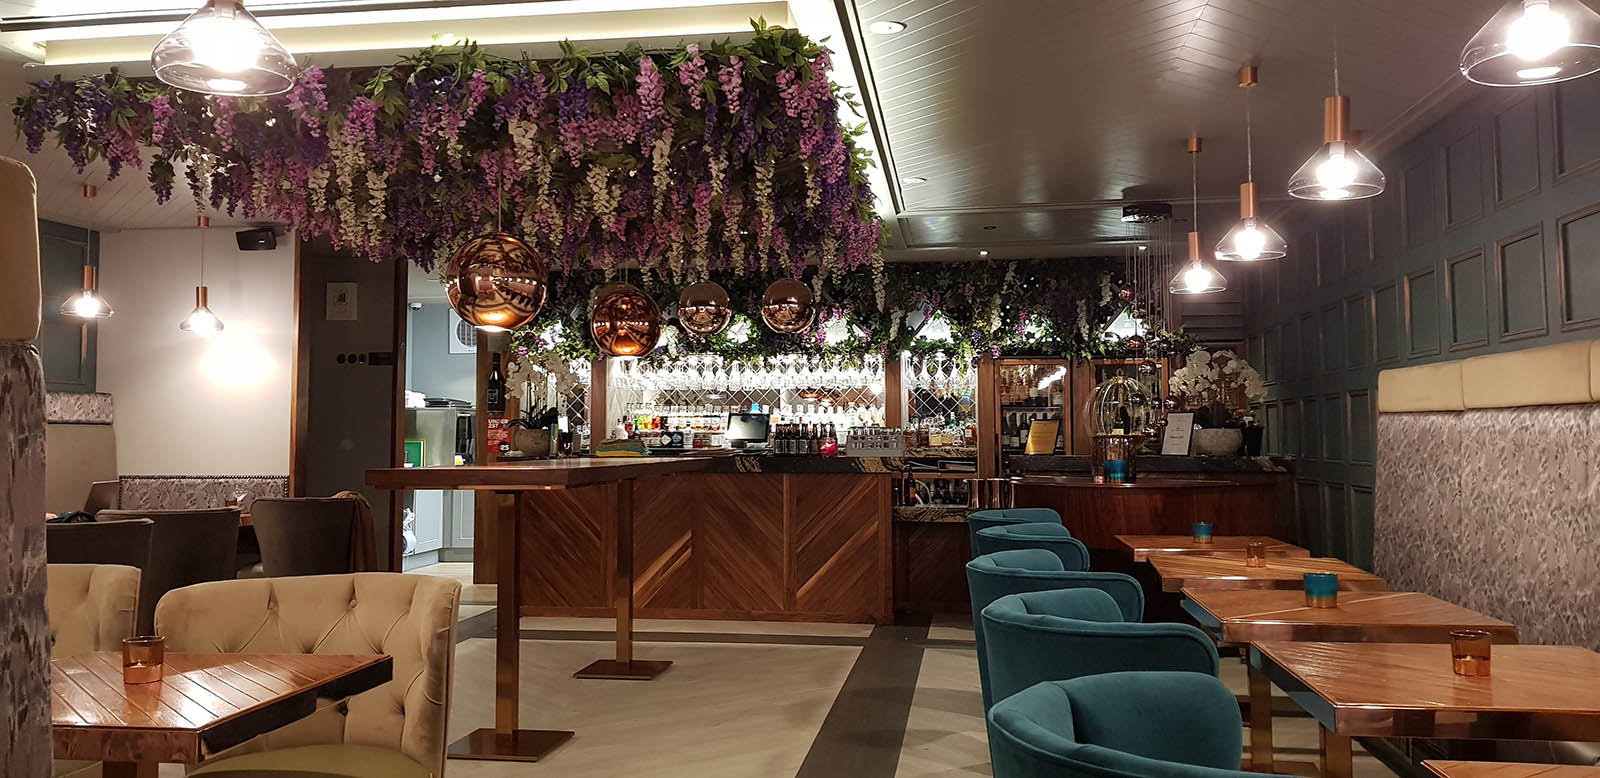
<point>532,443</point>
<point>1254,437</point>
<point>1221,442</point>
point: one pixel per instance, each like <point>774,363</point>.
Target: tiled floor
<point>757,699</point>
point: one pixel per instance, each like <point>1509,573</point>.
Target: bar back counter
<point>1238,495</point>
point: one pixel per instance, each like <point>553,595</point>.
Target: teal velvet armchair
<point>1050,537</point>
<point>1069,633</point>
<point>999,517</point>
<point>992,576</point>
<point>1119,725</point>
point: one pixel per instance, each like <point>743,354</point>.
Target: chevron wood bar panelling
<point>767,546</point>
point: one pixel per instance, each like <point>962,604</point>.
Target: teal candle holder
<point>1322,590</point>
<point>1202,533</point>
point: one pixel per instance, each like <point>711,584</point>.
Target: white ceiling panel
<point>1042,106</point>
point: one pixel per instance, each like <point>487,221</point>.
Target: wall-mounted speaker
<point>263,239</point>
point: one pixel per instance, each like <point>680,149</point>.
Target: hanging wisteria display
<point>729,158</point>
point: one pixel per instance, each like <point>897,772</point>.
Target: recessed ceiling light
<point>886,27</point>
<point>1143,248</point>
<point>983,252</point>
<point>915,180</point>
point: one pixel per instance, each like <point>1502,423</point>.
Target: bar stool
<point>1135,725</point>
<point>992,576</point>
<point>998,517</point>
<point>1050,537</point>
<point>1067,633</point>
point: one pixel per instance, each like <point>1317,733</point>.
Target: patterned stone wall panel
<point>1528,507</point>
<point>162,492</point>
<point>25,655</point>
<point>78,408</point>
<point>1505,524</point>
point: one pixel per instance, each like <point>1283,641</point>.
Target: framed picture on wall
<point>463,336</point>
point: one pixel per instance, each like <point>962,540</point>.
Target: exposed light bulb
<point>224,44</point>
<point>226,84</point>
<point>87,305</point>
<point>201,321</point>
<point>1249,241</point>
<point>1337,171</point>
<point>1197,278</point>
<point>1539,32</point>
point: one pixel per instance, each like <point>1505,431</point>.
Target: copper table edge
<point>1304,632</point>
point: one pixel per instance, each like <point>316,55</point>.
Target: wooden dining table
<point>1142,546</point>
<point>1396,690</point>
<point>204,705</point>
<point>1453,769</point>
<point>1251,615</point>
<point>1227,570</point>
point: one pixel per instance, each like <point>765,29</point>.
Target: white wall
<point>187,404</point>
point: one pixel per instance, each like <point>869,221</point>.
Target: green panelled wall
<point>66,345</point>
<point>1488,239</point>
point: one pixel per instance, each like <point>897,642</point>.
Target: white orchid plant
<point>1218,386</point>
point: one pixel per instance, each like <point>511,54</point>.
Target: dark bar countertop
<point>1023,464</point>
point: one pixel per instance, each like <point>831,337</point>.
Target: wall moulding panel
<point>1486,241</point>
<point>1519,268</point>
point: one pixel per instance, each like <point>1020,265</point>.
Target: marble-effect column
<point>24,628</point>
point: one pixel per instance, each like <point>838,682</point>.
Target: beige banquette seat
<point>396,730</point>
<point>91,609</point>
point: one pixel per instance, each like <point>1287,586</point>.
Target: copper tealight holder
<point>1469,652</point>
<point>1255,554</point>
<point>142,658</point>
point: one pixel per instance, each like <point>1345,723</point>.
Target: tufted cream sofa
<point>396,730</point>
<point>91,607</point>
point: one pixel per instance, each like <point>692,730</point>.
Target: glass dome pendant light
<point>1251,239</point>
<point>201,321</point>
<point>1337,171</point>
<point>222,50</point>
<point>1197,276</point>
<point>87,303</point>
<point>1534,42</point>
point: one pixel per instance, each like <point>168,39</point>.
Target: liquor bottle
<point>494,395</point>
<point>814,441</point>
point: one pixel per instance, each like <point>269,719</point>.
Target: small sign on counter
<point>1180,431</point>
<point>499,437</point>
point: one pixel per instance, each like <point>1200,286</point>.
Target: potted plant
<point>1219,388</point>
<point>530,434</point>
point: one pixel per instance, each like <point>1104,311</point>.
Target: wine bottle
<point>494,394</point>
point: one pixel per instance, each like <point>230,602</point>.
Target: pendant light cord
<point>1194,186</point>
<point>1336,92</point>
<point>1249,140</point>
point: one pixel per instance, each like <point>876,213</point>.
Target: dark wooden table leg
<point>505,742</point>
<point>624,667</point>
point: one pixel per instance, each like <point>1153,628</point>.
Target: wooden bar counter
<point>683,537</point>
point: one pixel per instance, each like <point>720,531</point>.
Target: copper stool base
<point>523,745</point>
<point>636,670</point>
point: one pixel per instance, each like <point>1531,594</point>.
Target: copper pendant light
<point>625,322</point>
<point>788,306</point>
<point>1337,171</point>
<point>1197,276</point>
<point>703,309</point>
<point>1252,238</point>
<point>496,282</point>
<point>201,320</point>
